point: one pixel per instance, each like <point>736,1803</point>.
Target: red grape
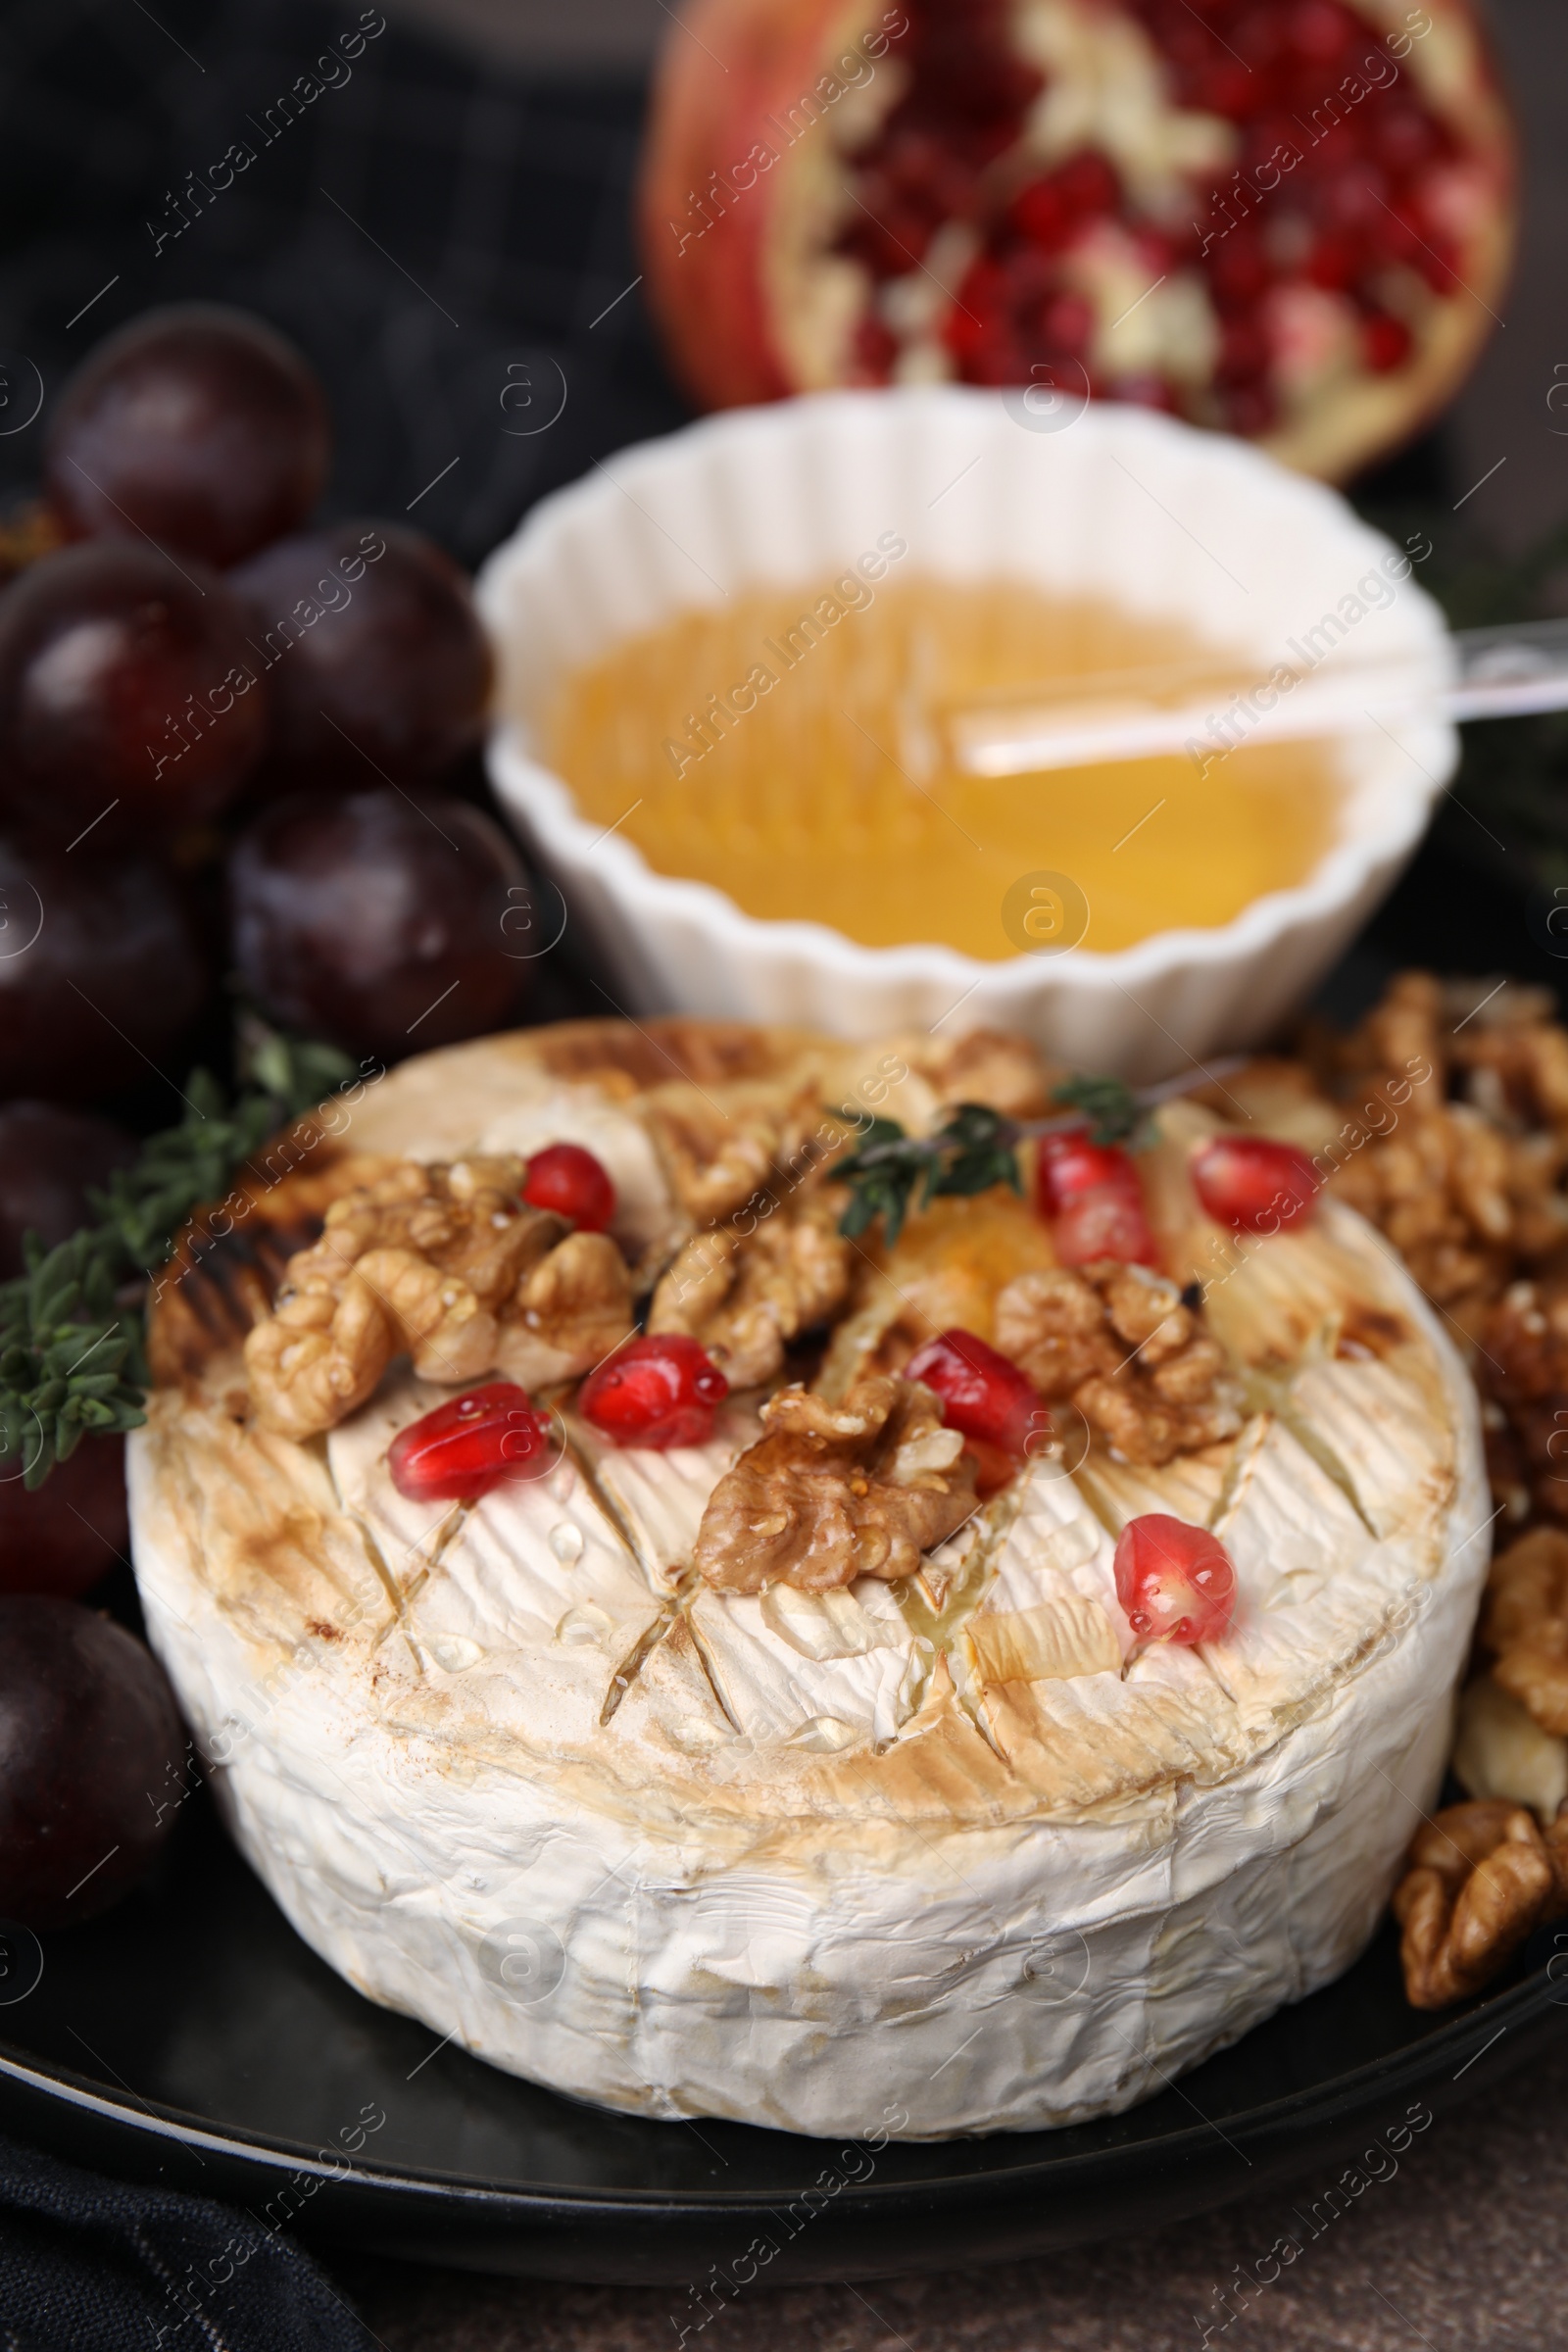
<point>129,695</point>
<point>378,660</point>
<point>198,425</point>
<point>67,1533</point>
<point>48,1158</point>
<point>376,923</point>
<point>90,1748</point>
<point>99,974</point>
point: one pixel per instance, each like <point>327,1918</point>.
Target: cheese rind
<point>930,1859</point>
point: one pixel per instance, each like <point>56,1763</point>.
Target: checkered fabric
<point>449,242</point>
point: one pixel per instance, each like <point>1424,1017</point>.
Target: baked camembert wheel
<point>959,1669</point>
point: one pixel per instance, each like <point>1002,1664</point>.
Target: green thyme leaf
<point>71,1327</point>
<point>1111,1110</point>
<point>882,1172</point>
<point>975,1149</point>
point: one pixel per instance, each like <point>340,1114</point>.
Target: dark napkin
<point>89,2265</point>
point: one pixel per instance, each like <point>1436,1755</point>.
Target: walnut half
<point>746,1297</point>
<point>1479,1878</point>
<point>833,1491</point>
<point>1523,1624</point>
<point>1120,1345</point>
<point>443,1264</point>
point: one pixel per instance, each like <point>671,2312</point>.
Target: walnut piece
<point>1521,1367</point>
<point>1524,1625</point>
<point>833,1491</point>
<point>986,1066</point>
<point>568,1314</point>
<point>442,1263</point>
<point>746,1297</point>
<point>1117,1342</point>
<point>1479,1879</point>
<point>1463,1188</point>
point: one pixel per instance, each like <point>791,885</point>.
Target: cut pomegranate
<point>571,1181</point>
<point>1175,1582</point>
<point>1253,1184</point>
<point>465,1448</point>
<point>918,214</point>
<point>657,1391</point>
<point>1093,1198</point>
<point>982,1392</point>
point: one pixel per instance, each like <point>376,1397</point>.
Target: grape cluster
<point>227,744</point>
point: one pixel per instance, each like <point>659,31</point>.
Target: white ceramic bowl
<point>1120,505</point>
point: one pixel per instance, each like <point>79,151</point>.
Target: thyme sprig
<point>890,1172</point>
<point>975,1149</point>
<point>72,1331</point>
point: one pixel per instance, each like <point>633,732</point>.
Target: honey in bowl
<point>779,747</point>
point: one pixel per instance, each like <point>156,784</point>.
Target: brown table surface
<point>1461,2247</point>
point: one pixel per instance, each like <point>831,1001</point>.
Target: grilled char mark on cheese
<point>436,1259</point>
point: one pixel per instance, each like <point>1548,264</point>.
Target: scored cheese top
<point>553,1630</point>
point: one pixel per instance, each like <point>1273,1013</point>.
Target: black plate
<point>191,2037</point>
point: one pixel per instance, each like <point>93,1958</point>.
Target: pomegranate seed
<point>1434,257</point>
<point>1356,202</point>
<point>982,1392</point>
<point>1040,213</point>
<point>875,349</point>
<point>1175,1582</point>
<point>571,1181</point>
<point>1031,276</point>
<point>913,159</point>
<point>1094,1195</point>
<point>1104,1223</point>
<point>470,1444</point>
<point>997,359</point>
<point>1069,1164</point>
<point>1333,264</point>
<point>1067,323</point>
<point>1088,183</point>
<point>1256,35</point>
<point>657,1390</point>
<point>1240,270</point>
<point>1243,351</point>
<point>1227,87</point>
<point>1249,409</point>
<point>1253,1184</point>
<point>1186,45</point>
<point>983,291</point>
<point>1403,138</point>
<point>1386,342</point>
<point>1318,30</point>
